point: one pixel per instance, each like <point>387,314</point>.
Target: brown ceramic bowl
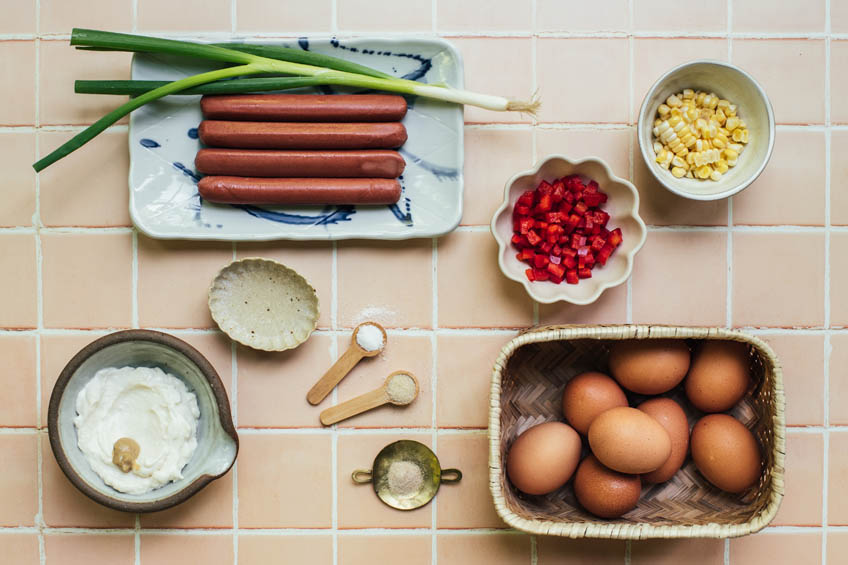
<point>217,441</point>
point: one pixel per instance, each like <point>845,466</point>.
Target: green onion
<point>232,86</point>
<point>250,64</point>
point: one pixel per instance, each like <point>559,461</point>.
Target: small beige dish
<point>622,206</point>
<point>729,82</point>
<point>263,304</point>
<point>217,441</point>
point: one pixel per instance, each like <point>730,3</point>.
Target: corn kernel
<point>720,117</point>
<point>690,158</point>
<point>678,172</point>
<point>677,112</point>
<point>688,94</point>
<point>704,172</point>
<point>730,154</point>
<point>663,111</point>
<point>674,101</point>
<point>657,147</point>
<point>691,114</point>
<point>679,162</point>
<point>740,135</point>
<point>699,98</point>
<point>721,166</point>
<point>689,175</point>
<point>723,104</point>
<point>661,155</point>
<point>731,162</point>
<point>715,175</point>
<point>735,146</point>
<point>732,123</point>
<point>720,141</point>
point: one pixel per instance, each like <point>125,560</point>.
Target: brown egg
<point>629,441</point>
<point>543,458</point>
<point>672,418</point>
<point>604,492</point>
<point>726,452</point>
<point>649,366</point>
<point>586,396</point>
<point>719,376</point>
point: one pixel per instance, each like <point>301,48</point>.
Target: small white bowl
<point>731,83</point>
<point>622,206</point>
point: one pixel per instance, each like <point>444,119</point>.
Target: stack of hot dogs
<point>301,149</point>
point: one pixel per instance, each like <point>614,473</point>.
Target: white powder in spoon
<point>369,337</point>
<point>405,478</point>
<point>401,388</point>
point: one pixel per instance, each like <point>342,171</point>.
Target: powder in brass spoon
<point>124,454</point>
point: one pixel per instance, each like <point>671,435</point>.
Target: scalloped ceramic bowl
<point>622,206</point>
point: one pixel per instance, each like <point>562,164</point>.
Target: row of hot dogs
<point>301,149</point>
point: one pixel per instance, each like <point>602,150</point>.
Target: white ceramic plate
<point>163,142</point>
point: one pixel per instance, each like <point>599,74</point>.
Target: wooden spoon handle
<point>334,375</point>
<point>354,406</point>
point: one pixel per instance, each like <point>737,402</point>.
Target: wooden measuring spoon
<point>343,365</point>
<point>395,390</point>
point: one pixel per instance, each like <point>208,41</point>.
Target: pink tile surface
<point>72,269</point>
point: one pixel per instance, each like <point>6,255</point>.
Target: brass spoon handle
<point>334,375</point>
<point>361,476</point>
<point>451,476</point>
<point>354,406</point>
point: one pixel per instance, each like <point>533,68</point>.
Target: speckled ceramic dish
<point>217,441</point>
<point>622,206</point>
<point>263,304</point>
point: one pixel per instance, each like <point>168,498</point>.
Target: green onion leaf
<point>232,86</point>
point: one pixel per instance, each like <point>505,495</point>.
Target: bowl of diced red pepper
<point>568,230</point>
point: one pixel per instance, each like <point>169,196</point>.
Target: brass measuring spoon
<point>395,390</point>
<point>406,451</point>
<point>344,364</point>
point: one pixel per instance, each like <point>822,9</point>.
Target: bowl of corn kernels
<point>706,130</point>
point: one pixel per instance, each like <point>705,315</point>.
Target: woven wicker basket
<point>527,384</point>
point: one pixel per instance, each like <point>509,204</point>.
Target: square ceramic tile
<point>656,15</point>
<point>659,206</point>
<point>667,275</point>
<point>778,279</point>
<point>88,549</point>
<point>19,481</point>
<point>802,503</point>
<point>56,351</point>
<point>837,479</point>
<point>174,279</point>
<point>498,549</point>
<point>473,290</point>
<point>481,15</point>
<point>60,16</point>
<point>17,380</point>
<point>370,549</point>
<point>95,173</point>
<point>468,503</point>
<point>411,353</point>
<point>212,507</point>
<point>19,17</point>
<point>798,161</point>
<point>838,82</point>
<point>802,359</point>
<point>491,56</point>
<point>374,15</point>
<point>839,279</point>
<point>653,57</point>
<point>610,145</point>
<point>17,153</point>
<point>492,157</point>
<point>838,16</point>
<point>838,178</point>
<point>600,65</point>
<point>313,260</point>
<point>609,308</point>
<point>464,372</point>
<point>792,16</point>
<point>87,280</point>
<point>295,495</point>
<point>256,549</point>
<point>563,551</point>
<point>358,506</point>
<point>673,552</point>
<point>257,15</point>
<point>159,549</point>
<point>64,506</point>
<point>838,414</point>
<point>188,15</point>
<point>837,545</point>
<point>792,73</point>
<point>273,385</point>
<point>777,549</point>
<point>64,64</point>
<point>20,549</point>
<point>18,294</point>
<point>17,83</point>
<point>576,15</point>
<point>372,288</point>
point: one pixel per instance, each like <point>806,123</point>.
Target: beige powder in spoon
<point>401,389</point>
<point>405,478</point>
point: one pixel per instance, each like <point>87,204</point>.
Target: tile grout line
<point>234,414</point>
<point>134,314</point>
<point>827,270</point>
<point>334,396</point>
<point>434,381</point>
<point>631,144</point>
<point>729,260</point>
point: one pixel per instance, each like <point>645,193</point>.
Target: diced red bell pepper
<point>589,260</point>
<point>580,208</point>
<point>556,250</point>
<point>541,225</point>
<point>545,203</point>
<point>569,262</point>
<point>590,222</point>
<point>573,183</point>
<point>544,188</point>
<point>555,217</point>
<point>525,225</point>
<point>557,271</point>
<point>615,238</point>
<point>526,199</point>
<point>584,273</point>
<point>572,222</point>
<point>571,276</point>
<point>577,241</point>
<point>592,186</point>
<point>527,255</point>
<point>541,261</point>
<point>564,208</point>
<point>541,274</point>
<point>555,280</point>
<point>597,243</point>
<point>569,197</point>
<point>546,247</point>
<point>603,255</point>
<point>522,210</point>
<point>529,274</point>
<point>569,252</point>
<point>592,199</point>
<point>533,238</point>
<point>559,191</point>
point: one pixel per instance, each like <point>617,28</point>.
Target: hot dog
<point>305,107</point>
<point>249,190</point>
<point>378,163</point>
<point>287,135</point>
